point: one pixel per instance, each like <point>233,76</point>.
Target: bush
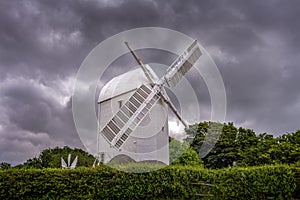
<point>189,157</point>
<point>182,154</point>
<point>179,182</point>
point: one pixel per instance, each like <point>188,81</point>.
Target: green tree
<point>189,157</point>
<point>265,142</point>
<point>242,146</point>
<point>222,139</point>
<point>247,142</point>
<point>33,163</point>
<point>51,158</point>
<point>5,165</point>
<point>182,154</point>
<point>285,148</point>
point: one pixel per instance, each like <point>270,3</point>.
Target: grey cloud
<point>33,117</point>
<point>42,44</point>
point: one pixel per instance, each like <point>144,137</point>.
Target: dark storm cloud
<point>42,43</point>
<point>33,116</point>
<point>261,89</point>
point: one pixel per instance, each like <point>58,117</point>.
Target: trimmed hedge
<point>267,182</point>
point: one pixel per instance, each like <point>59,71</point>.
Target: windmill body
<point>133,112</point>
<point>149,141</point>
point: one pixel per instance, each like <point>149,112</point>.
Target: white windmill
<point>69,165</point>
<point>133,107</point>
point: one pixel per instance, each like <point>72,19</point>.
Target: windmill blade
<point>94,164</point>
<point>173,108</point>
<point>69,160</point>
<point>182,64</point>
<point>74,163</point>
<point>141,64</point>
<point>63,163</point>
<point>117,130</point>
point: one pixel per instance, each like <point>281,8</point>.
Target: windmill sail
<point>166,99</point>
<point>141,64</point>
<point>117,130</point>
<point>94,164</point>
<point>63,163</point>
<point>74,163</point>
<point>69,159</point>
<point>182,64</point>
<point>67,165</point>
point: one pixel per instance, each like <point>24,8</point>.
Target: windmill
<point>135,100</point>
<point>69,165</point>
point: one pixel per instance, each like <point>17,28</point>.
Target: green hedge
<point>267,182</point>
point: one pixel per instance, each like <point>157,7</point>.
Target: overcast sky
<point>255,45</point>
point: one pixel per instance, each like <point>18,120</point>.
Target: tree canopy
<point>51,158</point>
<point>243,147</point>
<point>225,146</point>
<point>182,154</point>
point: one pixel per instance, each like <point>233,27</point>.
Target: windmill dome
<point>123,83</point>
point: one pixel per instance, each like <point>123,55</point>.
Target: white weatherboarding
<point>133,117</point>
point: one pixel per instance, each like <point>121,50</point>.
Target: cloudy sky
<point>255,45</point>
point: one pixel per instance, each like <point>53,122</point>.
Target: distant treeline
<point>51,158</point>
<point>243,147</point>
<point>231,146</point>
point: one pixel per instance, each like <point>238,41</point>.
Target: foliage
<point>140,167</point>
<point>189,157</point>
<point>176,182</point>
<point>182,154</point>
<point>51,158</point>
<point>242,146</point>
<point>219,146</point>
<point>184,179</point>
<point>5,165</point>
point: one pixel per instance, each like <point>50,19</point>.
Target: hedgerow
<point>179,182</point>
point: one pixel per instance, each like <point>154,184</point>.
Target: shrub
<point>179,182</point>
